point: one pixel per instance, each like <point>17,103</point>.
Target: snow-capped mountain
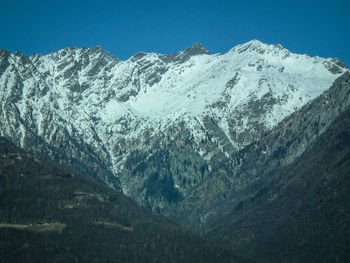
<point>157,126</point>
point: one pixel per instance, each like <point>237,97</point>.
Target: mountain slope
<point>246,172</point>
<point>50,213</point>
<point>303,214</point>
<point>165,129</point>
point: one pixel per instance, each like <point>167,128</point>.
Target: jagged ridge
<point>172,119</point>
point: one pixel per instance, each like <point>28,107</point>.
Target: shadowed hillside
<point>50,213</point>
<point>303,215</point>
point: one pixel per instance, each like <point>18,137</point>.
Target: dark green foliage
<point>239,206</point>
<point>93,222</point>
<point>162,187</point>
<point>165,172</point>
<point>263,191</point>
<point>65,175</point>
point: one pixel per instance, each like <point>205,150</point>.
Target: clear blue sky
<point>126,27</point>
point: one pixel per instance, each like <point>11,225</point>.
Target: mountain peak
<point>257,47</point>
<point>254,42</point>
<point>184,55</point>
<point>196,49</point>
<point>252,45</point>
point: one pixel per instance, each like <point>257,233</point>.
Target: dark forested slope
<point>303,215</point>
<point>50,213</point>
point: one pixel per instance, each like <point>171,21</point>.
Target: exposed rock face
<point>174,132</point>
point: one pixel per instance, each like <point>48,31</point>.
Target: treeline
<point>98,223</point>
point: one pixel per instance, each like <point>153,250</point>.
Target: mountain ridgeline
<point>205,140</point>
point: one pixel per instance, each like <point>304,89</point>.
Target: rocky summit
<point>180,133</point>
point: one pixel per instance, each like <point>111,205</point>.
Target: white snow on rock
<point>104,100</point>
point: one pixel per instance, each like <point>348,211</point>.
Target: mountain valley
<point>221,144</point>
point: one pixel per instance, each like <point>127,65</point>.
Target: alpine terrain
<point>196,137</point>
